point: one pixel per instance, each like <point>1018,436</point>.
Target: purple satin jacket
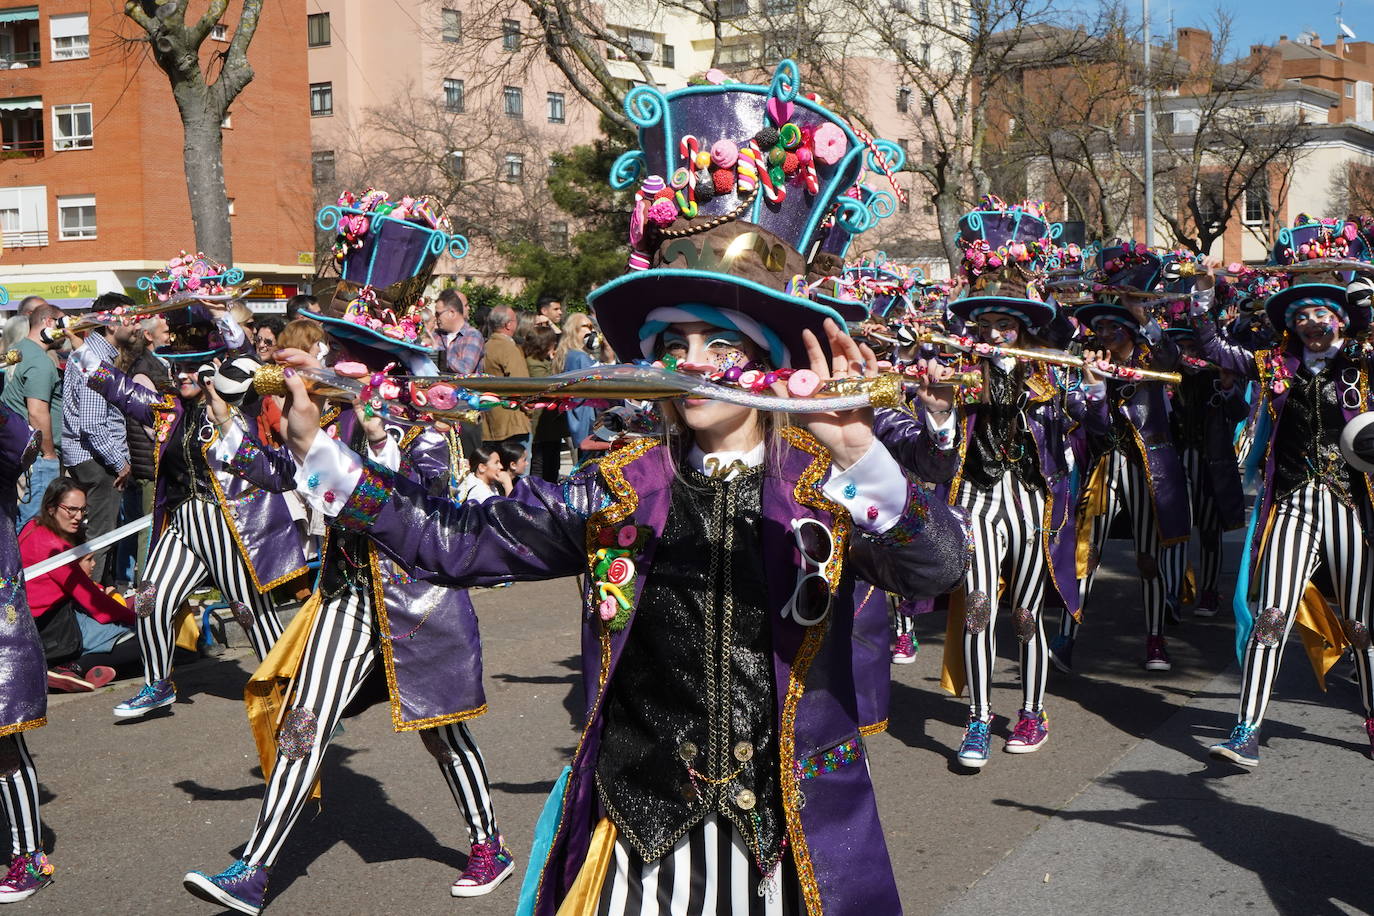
<point>23,672</point>
<point>430,641</point>
<point>544,531</point>
<point>260,521</point>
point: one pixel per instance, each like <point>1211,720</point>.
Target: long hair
<point>570,340</point>
<point>47,512</point>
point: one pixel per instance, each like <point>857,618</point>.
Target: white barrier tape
<point>91,546</point>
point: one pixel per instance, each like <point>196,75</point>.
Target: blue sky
<point>1263,21</point>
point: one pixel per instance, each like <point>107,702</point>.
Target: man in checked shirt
<point>94,449</point>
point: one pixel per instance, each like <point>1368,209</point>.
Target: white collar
<point>1315,357</point>
<point>725,465</point>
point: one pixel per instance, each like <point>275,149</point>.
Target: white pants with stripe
<point>1161,570</point>
<point>708,871</point>
<point>1310,526</point>
<point>338,659</point>
<point>1007,547</point>
<point>197,546</point>
<point>19,794</point>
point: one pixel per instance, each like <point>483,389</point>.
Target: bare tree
<point>1351,188</point>
<point>203,90</point>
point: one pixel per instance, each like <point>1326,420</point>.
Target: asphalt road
<point>130,807</point>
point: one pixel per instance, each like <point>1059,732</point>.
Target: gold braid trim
<point>22,726</point>
<point>791,788</point>
<point>808,492</point>
<point>877,728</point>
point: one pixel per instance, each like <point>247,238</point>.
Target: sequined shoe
<point>153,696</point>
<point>973,750</point>
<point>1369,730</point>
<point>1208,604</point>
<point>1030,734</point>
<point>240,887</point>
<point>1156,655</point>
<point>28,875</point>
<point>489,864</point>
<point>904,652</point>
<point>1241,748</point>
<point>1061,653</point>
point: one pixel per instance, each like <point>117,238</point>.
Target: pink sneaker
<point>1369,730</point>
<point>904,651</point>
<point>1030,734</point>
<point>489,864</point>
<point>99,675</point>
<point>28,875</point>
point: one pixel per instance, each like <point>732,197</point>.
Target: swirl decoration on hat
<point>998,236</point>
<point>410,232</point>
<point>190,276</point>
<point>4,296</point>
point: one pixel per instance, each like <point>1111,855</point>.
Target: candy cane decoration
<point>879,158</point>
<point>686,196</point>
<point>774,193</point>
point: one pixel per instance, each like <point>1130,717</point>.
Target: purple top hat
<point>1310,239</point>
<point>1008,251</point>
<point>1128,267</point>
<point>380,242</point>
<point>738,188</point>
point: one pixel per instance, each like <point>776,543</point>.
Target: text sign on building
<point>55,289</point>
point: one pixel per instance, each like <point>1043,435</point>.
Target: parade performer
<point>1135,467</point>
<point>721,764</point>
<point>368,616</point>
<point>1313,507</point>
<point>208,526</point>
<point>24,690</point>
<point>1012,476</point>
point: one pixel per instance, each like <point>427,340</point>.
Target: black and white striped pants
<point>1206,519</point>
<point>1007,546</point>
<point>197,546</point>
<point>708,871</point>
<point>342,652</point>
<point>903,624</point>
<point>1310,525</point>
<point>19,794</point>
<point>1161,570</point>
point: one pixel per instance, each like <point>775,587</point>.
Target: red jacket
<point>37,543</point>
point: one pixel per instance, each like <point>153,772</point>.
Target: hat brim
<point>185,356</point>
<point>1356,443</point>
<point>1277,305</point>
<point>347,330</point>
<point>1032,314</point>
<point>622,305</point>
<point>1087,314</point>
<point>849,310</point>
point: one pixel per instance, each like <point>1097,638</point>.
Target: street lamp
<point>1149,136</point>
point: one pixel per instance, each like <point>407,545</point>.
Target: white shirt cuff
<point>388,455</point>
<point>227,444</point>
<point>328,474</point>
<point>941,431</point>
<point>1096,391</point>
<point>229,330</point>
<point>873,489</point>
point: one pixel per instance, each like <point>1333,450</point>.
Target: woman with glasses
<point>265,333</point>
<point>721,765</point>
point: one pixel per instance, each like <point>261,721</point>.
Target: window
<point>321,100</point>
<point>230,202</point>
<point>925,10</point>
<point>24,216</point>
<point>778,7</point>
<point>514,101</point>
<point>219,32</point>
<point>515,167</point>
<point>510,35</point>
<point>1349,90</point>
<point>453,95</point>
<point>452,21</point>
<point>71,127</point>
<point>741,53</point>
<point>558,236</point>
<point>1164,124</point>
<point>903,99</point>
<point>458,165</point>
<point>556,108</point>
<point>71,36</point>
<point>1185,122</point>
<point>642,44</point>
<point>317,30</point>
<point>322,166</point>
<point>904,203</point>
<point>1257,201</point>
<point>76,217</point>
<point>668,56</point>
<point>732,9</point>
<point>925,53</point>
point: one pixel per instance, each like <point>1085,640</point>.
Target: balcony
<point>21,128</point>
<point>20,46</point>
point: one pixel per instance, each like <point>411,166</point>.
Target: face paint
<point>999,329</point>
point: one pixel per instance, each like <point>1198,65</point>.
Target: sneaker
<point>153,696</point>
<point>28,875</point>
<point>1208,604</point>
<point>489,864</point>
<point>1061,652</point>
<point>1156,656</point>
<point>904,652</point>
<point>1030,734</point>
<point>1241,748</point>
<point>100,675</point>
<point>973,750</point>
<point>1369,730</point>
<point>239,887</point>
<point>66,680</point>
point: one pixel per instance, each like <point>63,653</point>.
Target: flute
<point>1054,357</point>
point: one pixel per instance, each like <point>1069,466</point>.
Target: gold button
<point>744,752</point>
<point>687,751</point>
<point>745,800</point>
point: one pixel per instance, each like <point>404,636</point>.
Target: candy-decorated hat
<point>1311,258</point>
<point>195,278</point>
<point>1129,268</point>
<point>1009,250</point>
<point>756,178</point>
<point>195,338</point>
<point>871,288</point>
<point>1091,313</point>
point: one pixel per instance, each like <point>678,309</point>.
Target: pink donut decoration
<point>749,377</point>
<point>627,535</point>
<point>829,144</point>
<point>724,154</point>
<point>442,397</point>
<point>803,383</point>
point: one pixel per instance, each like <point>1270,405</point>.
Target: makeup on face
<point>1000,329</point>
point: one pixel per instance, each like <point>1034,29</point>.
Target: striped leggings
<point>195,547</point>
<point>1008,546</point>
<point>1128,490</point>
<point>1206,519</point>
<point>342,651</point>
<point>19,793</point>
<point>1309,526</point>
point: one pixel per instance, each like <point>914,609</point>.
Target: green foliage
<point>484,295</point>
<point>579,183</point>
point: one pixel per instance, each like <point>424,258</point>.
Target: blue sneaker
<point>1241,748</point>
<point>239,887</point>
<point>973,750</point>
<point>153,696</point>
<point>1061,652</point>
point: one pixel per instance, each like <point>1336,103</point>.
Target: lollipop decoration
<point>195,277</point>
<point>379,241</point>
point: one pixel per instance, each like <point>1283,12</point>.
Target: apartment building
<point>92,187</point>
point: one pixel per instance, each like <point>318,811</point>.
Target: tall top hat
<point>738,189</point>
<point>195,278</point>
<point>1315,257</point>
<point>1130,268</point>
<point>1009,250</point>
